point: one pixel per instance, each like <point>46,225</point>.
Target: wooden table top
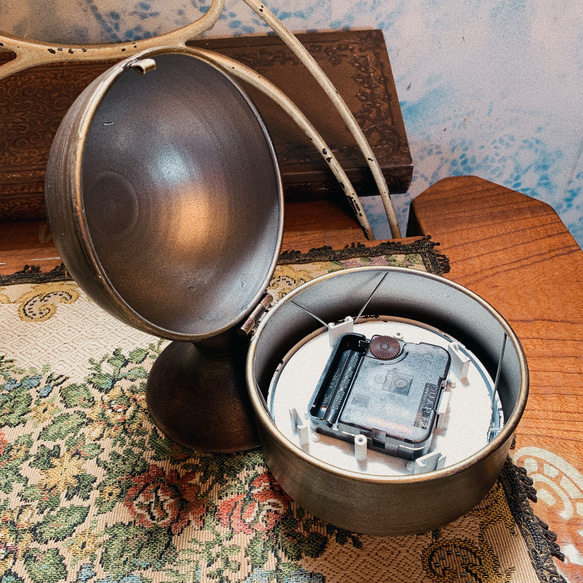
<point>514,252</point>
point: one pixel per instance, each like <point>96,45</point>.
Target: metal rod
<point>233,67</point>
<point>374,291</point>
<point>30,53</point>
<point>34,53</point>
<point>311,314</point>
<point>359,313</point>
<point>496,381</point>
<point>310,63</point>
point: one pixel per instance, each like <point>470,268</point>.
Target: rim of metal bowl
<point>86,119</point>
<point>265,419</point>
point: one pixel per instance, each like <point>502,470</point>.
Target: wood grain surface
<point>515,253</point>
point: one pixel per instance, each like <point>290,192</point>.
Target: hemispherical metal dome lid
<point>164,196</point>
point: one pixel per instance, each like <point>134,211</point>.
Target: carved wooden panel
<point>33,102</point>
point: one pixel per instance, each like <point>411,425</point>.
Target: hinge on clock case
<point>251,323</point>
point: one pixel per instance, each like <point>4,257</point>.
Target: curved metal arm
<point>233,67</point>
<point>309,62</point>
<point>33,53</point>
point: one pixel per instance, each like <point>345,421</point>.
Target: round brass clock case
<point>381,504</point>
<point>165,202</point>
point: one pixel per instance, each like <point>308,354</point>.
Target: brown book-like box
<point>33,103</point>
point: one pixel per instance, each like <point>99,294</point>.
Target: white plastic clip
<point>339,329</point>
<point>460,362</point>
<point>427,463</point>
<point>360,448</point>
<point>301,428</point>
<point>443,411</point>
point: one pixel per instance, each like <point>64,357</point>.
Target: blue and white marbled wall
<point>487,87</point>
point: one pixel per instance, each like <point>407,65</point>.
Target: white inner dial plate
<point>462,431</point>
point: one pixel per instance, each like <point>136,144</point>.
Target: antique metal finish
<point>165,202</point>
<point>31,53</point>
<point>196,394</point>
<point>373,504</point>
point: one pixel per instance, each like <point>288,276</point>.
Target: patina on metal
<point>165,201</point>
<point>375,504</point>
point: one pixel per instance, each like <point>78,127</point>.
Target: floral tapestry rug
<point>91,491</point>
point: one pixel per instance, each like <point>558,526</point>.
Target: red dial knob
<point>384,347</point>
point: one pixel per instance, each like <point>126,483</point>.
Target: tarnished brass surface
<point>165,203</point>
<point>196,394</point>
<point>373,504</point>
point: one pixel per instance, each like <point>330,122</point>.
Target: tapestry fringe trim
<point>541,541</point>
<point>435,262</point>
